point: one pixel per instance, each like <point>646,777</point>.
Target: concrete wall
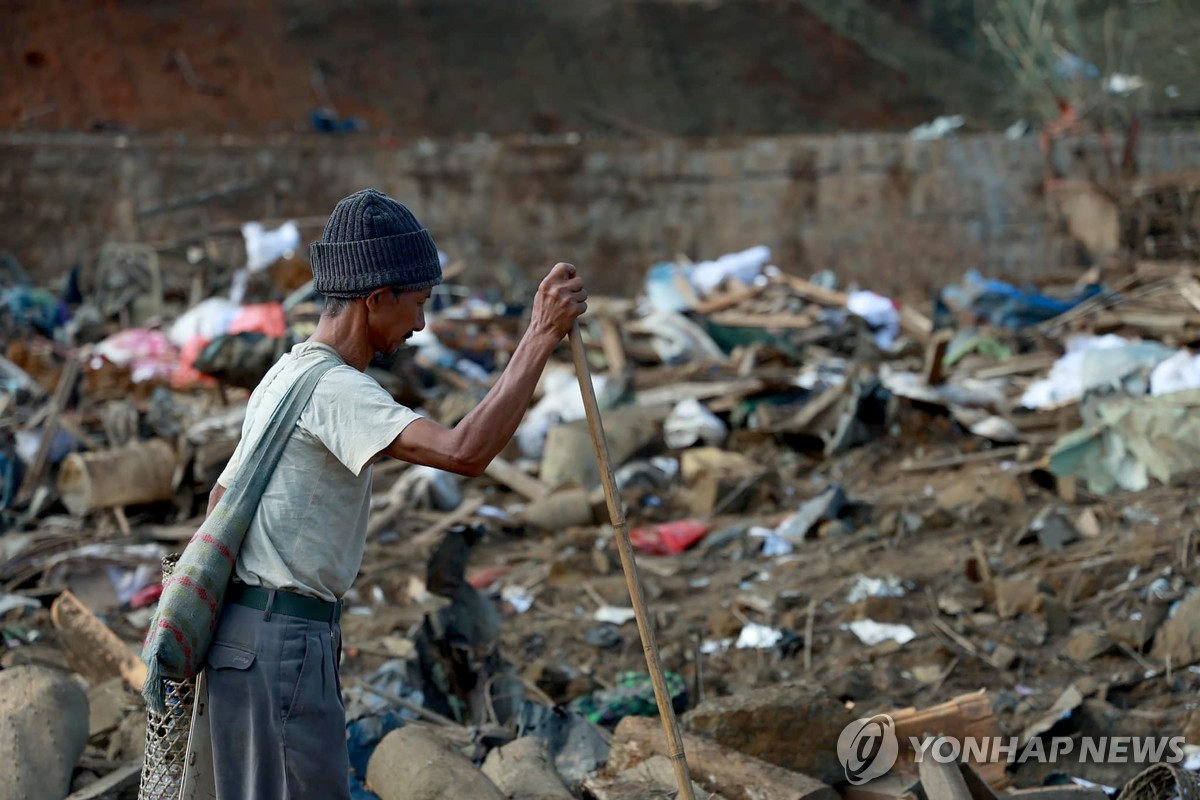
<point>897,215</point>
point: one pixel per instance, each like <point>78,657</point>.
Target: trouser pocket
<point>228,656</point>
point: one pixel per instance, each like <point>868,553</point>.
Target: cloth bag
<point>193,595</point>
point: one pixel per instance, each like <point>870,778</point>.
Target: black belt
<point>279,601</point>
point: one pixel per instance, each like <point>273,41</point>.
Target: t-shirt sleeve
<point>354,417</point>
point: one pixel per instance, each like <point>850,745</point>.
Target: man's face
<point>393,316</point>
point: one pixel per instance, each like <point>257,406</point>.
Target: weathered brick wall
<point>896,214</point>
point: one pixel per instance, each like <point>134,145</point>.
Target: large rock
<point>414,764</point>
<point>522,769</point>
<point>43,730</point>
<point>792,725</point>
<point>1178,640</point>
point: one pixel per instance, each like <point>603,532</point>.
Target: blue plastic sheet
<point>1004,305</point>
<point>9,478</point>
<point>35,308</point>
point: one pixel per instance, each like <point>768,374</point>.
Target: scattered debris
<point>899,499</point>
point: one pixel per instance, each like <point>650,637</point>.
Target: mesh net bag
<point>167,734</point>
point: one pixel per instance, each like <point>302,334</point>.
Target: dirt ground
<point>1006,628</point>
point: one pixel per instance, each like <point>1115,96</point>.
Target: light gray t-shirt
<point>310,529</point>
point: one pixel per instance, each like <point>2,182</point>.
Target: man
<point>272,671</point>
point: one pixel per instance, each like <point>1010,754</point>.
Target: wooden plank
<point>942,781</point>
<point>802,420</point>
<point>935,357</point>
<point>716,768</point>
<point>86,638</point>
<point>1017,365</point>
<point>699,390</point>
<point>85,439</point>
<point>894,785</point>
<point>813,293</point>
<point>1189,290</point>
<point>460,514</point>
<point>728,300</point>
<point>1016,451</point>
<point>1089,305</point>
<point>66,382</point>
<point>181,532</point>
<point>420,711</point>
<point>964,716</point>
<point>736,319</point>
<point>415,546</point>
<point>614,348</point>
<point>122,520</point>
<point>915,325</point>
<point>1156,321</point>
<point>517,479</point>
<point>111,784</point>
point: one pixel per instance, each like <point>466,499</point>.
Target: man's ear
<point>374,299</point>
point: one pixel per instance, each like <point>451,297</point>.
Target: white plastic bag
<point>207,319</point>
<point>1178,373</point>
<point>561,402</point>
<point>880,313</point>
<point>743,267</point>
<point>265,247</point>
<point>690,422</point>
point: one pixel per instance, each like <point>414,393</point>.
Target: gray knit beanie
<point>371,242</point>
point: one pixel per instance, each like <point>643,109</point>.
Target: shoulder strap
<point>259,461</point>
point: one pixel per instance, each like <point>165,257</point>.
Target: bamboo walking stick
<point>617,515</point>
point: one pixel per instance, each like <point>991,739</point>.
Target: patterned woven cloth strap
<point>190,607</point>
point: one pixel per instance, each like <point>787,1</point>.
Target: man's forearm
<point>488,428</point>
<point>470,446</point>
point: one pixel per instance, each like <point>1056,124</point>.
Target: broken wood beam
<point>426,538</point>
<point>112,784</point>
<point>915,325</point>
<point>137,473</point>
<point>738,319</point>
<point>699,390</point>
<point>1014,451</point>
<point>728,300</point>
<point>517,479</point>
<point>942,781</point>
<point>731,774</point>
<point>935,357</point>
<point>91,646</point>
<point>614,347</point>
<point>1033,362</point>
<point>62,394</point>
<point>968,715</point>
<point>407,705</point>
<point>816,294</point>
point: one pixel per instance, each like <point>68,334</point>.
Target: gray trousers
<point>275,705</point>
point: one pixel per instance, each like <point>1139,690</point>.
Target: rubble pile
<point>974,513</point>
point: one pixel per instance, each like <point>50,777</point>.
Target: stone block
<point>414,764</point>
<point>43,730</point>
<point>791,725</point>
